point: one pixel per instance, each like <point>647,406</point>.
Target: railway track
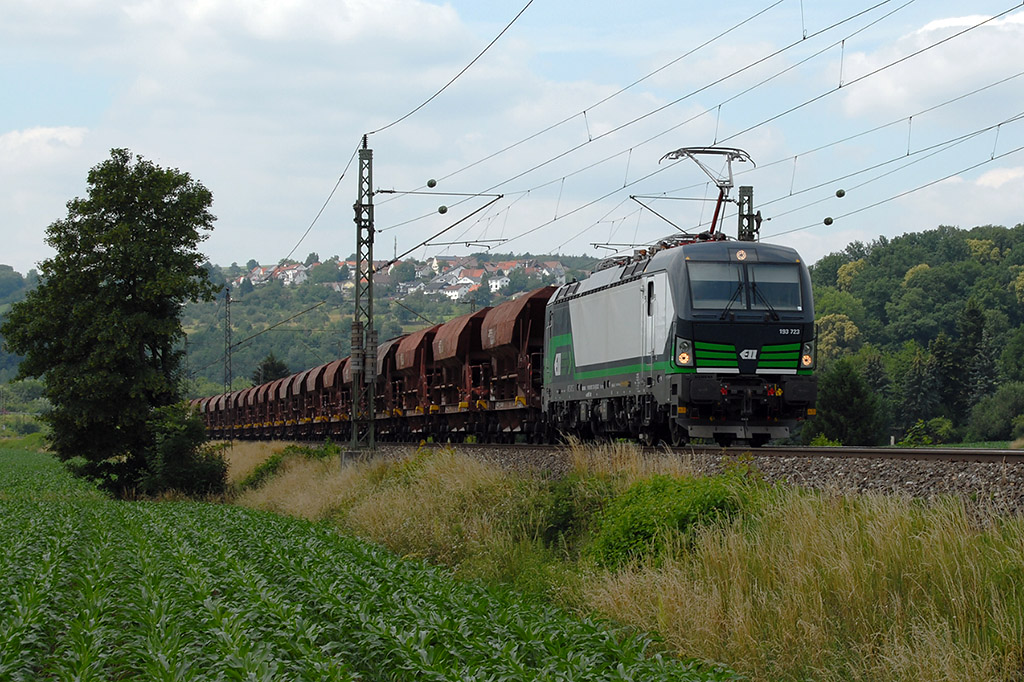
<point>919,454</point>
<point>911,454</point>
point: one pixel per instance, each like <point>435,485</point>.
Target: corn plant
<point>93,589</point>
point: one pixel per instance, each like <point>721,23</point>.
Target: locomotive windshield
<point>717,285</point>
<point>745,286</point>
<point>774,286</point>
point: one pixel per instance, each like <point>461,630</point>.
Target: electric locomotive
<point>699,337</point>
<point>710,339</point>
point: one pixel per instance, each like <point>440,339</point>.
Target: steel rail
<point>778,451</point>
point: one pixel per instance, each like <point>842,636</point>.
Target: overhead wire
<point>875,72</point>
<point>615,94</point>
<point>831,91</point>
<point>788,158</point>
<point>678,100</point>
<point>848,138</point>
<point>907,192</point>
<point>524,193</point>
<point>377,130</point>
<point>456,76</point>
<point>692,93</point>
<point>322,208</point>
<point>402,118</point>
<point>934,150</point>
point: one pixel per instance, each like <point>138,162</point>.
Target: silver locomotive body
<point>705,340</point>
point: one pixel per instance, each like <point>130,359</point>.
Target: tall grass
<point>244,456</point>
<point>793,586</point>
<point>828,588</point>
<point>432,504</point>
<point>626,463</point>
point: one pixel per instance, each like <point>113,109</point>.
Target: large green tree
<point>848,410</point>
<point>102,328</point>
<point>269,369</point>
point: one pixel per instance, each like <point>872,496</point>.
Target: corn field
<point>92,589</point>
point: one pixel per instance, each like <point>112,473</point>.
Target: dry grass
<point>827,588</point>
<point>308,489</point>
<point>440,505</point>
<point>436,504</point>
<point>626,463</point>
<point>244,456</point>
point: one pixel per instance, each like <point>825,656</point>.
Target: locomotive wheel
<point>677,434</point>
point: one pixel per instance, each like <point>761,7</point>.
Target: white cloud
<point>999,177</point>
<point>33,145</point>
<point>980,56</point>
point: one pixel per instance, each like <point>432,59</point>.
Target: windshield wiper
<point>762,297</point>
<point>735,295</point>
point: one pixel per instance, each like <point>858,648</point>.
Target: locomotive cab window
<point>716,285</point>
<point>750,286</point>
<point>774,286</point>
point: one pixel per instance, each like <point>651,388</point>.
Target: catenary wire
<point>905,193</point>
<point>456,77</point>
<point>662,108</point>
<point>818,97</point>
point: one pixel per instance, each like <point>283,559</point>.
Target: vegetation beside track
<point>95,589</point>
<point>776,582</point>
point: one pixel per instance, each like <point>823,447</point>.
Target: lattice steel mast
<point>364,335</point>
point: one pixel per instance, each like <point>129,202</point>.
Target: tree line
<point>921,338</point>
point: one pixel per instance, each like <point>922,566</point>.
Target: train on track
<point>697,337</point>
<point>710,339</point>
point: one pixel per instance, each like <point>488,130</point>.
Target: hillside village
<point>455,277</point>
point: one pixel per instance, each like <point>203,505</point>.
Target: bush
<point>179,458</point>
<point>992,418</point>
<point>823,441</point>
<point>916,436</point>
<point>26,428</point>
<point>326,450</point>
<point>1018,426</point>
<point>635,523</point>
<point>570,506</point>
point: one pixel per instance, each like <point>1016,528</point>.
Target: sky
<point>910,107</point>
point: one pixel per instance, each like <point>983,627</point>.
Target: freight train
<point>696,338</point>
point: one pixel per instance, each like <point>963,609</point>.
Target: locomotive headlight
<point>807,356</point>
<point>684,352</point>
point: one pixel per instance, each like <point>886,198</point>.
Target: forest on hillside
<point>920,337</point>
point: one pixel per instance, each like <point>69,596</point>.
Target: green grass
<point>95,589</point>
<point>34,441</point>
<point>777,582</point>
